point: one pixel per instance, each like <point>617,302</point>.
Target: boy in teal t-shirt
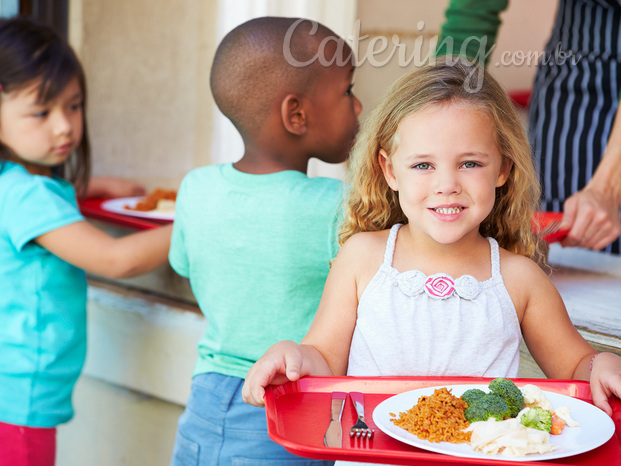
<point>255,237</point>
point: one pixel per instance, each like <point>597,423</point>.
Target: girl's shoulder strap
<point>495,253</point>
<point>390,244</point>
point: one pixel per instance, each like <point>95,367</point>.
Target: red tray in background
<point>520,97</point>
<point>91,208</point>
<point>298,414</point>
<point>542,219</point>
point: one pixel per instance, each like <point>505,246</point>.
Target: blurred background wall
<point>150,109</point>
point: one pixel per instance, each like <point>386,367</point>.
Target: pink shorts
<point>27,446</point>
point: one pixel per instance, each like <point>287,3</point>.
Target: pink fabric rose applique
<point>439,286</point>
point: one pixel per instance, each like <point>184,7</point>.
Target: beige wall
<point>147,65</point>
<point>526,25</point>
<point>150,110</point>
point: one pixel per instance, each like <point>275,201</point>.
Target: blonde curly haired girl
<point>435,276</point>
<point>372,205</point>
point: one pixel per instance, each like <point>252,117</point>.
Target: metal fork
<point>360,428</point>
<point>551,227</point>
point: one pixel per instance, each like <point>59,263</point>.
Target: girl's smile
<point>447,213</point>
<point>44,134</point>
<point>446,168</point>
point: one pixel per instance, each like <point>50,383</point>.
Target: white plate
<point>596,427</point>
<point>118,207</point>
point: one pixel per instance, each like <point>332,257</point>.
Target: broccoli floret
<point>509,392</point>
<point>472,395</point>
<point>488,405</point>
<point>537,418</point>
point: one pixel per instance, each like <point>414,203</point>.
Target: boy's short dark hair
<point>260,60</point>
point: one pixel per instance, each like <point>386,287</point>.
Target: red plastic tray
<point>298,414</point>
<point>520,97</point>
<point>91,208</point>
<point>543,219</point>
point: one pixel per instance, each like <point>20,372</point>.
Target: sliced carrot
<point>557,425</point>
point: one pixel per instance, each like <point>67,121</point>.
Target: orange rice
<point>437,418</point>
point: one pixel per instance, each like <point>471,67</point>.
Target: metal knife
<point>333,436</point>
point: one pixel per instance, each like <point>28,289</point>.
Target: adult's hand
<point>592,218</point>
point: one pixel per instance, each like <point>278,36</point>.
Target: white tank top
<point>409,324</point>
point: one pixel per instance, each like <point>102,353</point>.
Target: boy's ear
<point>384,160</point>
<point>293,115</point>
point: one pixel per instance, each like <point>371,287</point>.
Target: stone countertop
<point>162,282</point>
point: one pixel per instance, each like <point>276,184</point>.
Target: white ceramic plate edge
<point>117,206</point>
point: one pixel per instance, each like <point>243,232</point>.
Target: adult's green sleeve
<point>470,28</point>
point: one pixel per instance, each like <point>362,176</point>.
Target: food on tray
<point>162,200</point>
<point>508,438</point>
<point>534,396</point>
<point>509,392</point>
<point>536,418</point>
<point>487,406</point>
<point>437,418</point>
<point>472,395</point>
<point>506,420</point>
<point>564,414</point>
<point>504,401</point>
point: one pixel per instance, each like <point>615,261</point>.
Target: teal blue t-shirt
<point>256,249</point>
<point>42,302</point>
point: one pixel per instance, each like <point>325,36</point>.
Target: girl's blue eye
<point>470,164</point>
<point>41,114</point>
<point>422,166</point>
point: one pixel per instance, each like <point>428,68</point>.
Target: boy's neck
<point>263,165</point>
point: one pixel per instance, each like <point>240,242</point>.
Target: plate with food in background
<point>157,205</point>
<point>548,426</point>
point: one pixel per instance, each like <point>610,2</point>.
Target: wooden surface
<point>590,284</point>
